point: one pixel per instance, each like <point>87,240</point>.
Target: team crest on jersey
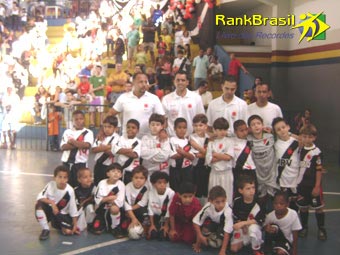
<point>247,150</point>
<point>146,105</point>
<point>309,157</point>
<point>62,203</point>
<point>233,114</point>
<point>237,235</point>
<point>189,106</point>
<point>290,151</point>
<point>220,146</point>
<point>251,216</point>
<point>266,142</point>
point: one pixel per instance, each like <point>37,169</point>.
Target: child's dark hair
<point>76,112</point>
<point>254,117</point>
<point>186,187</point>
<point>114,166</point>
<point>112,120</point>
<point>283,194</point>
<point>59,169</point>
<point>158,175</point>
<point>200,118</point>
<point>309,129</point>
<point>221,123</point>
<point>133,121</point>
<point>277,120</point>
<point>140,169</point>
<point>157,118</point>
<point>239,123</point>
<point>180,52</point>
<point>179,120</point>
<point>215,192</point>
<point>243,180</point>
<point>81,171</point>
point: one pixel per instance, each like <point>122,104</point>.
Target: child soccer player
<point>85,198</point>
<point>282,226</point>
<point>109,199</point>
<point>288,160</point>
<point>160,197</point>
<point>156,149</point>
<point>242,161</point>
<point>309,184</point>
<point>183,208</point>
<point>199,141</point>
<point>181,157</point>
<point>136,197</point>
<point>128,149</point>
<point>262,148</point>
<point>75,145</point>
<point>53,127</point>
<point>219,156</point>
<point>248,217</point>
<point>214,219</point>
<point>102,146</point>
<point>57,203</point>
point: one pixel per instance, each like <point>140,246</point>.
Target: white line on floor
<point>23,173</point>
<point>95,246</point>
<point>332,193</point>
<point>327,210</point>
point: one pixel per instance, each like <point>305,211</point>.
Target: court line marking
<point>327,210</point>
<point>332,193</point>
<point>24,173</point>
<point>95,246</point>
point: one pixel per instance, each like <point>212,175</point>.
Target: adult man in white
<point>262,107</point>
<point>228,105</point>
<point>137,104</point>
<point>181,103</point>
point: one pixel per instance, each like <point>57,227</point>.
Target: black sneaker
<point>117,232</point>
<point>322,234</point>
<point>45,234</point>
<point>303,232</point>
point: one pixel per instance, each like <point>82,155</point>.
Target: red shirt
<point>234,67</point>
<point>84,87</point>
<point>184,213</point>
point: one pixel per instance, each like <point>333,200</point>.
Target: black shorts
<point>292,194</point>
<point>57,221</point>
<point>278,241</point>
<point>306,199</point>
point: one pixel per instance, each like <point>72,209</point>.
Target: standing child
<point>248,217</point>
<point>282,226</point>
<point>181,156</point>
<point>155,152</point>
<point>85,198</point>
<point>75,145</point>
<point>57,203</point>
<point>109,199</point>
<point>214,222</point>
<point>309,184</point>
<point>128,150</point>
<point>53,128</point>
<point>199,141</point>
<point>160,198</point>
<point>219,156</point>
<point>102,146</point>
<point>161,47</point>
<point>183,208</point>
<point>288,159</point>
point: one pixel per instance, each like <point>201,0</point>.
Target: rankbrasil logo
<point>312,26</point>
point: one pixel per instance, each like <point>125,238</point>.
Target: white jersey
<point>225,146</point>
<point>140,109</point>
<point>289,223</point>
<point>176,142</point>
<point>52,192</point>
<point>200,141</point>
<point>112,139</point>
<point>290,165</point>
<point>131,194</point>
<point>104,189</point>
<point>186,107</point>
<point>239,147</point>
<point>267,113</point>
<point>156,201</point>
<point>125,142</point>
<point>209,211</point>
<point>155,154</point>
<point>82,155</point>
<point>235,110</point>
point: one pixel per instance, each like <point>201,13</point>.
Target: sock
<point>320,219</point>
<point>115,219</point>
<point>304,219</point>
<point>41,217</point>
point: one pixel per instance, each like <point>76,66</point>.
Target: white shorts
<point>10,122</point>
<point>225,179</point>
<point>252,235</point>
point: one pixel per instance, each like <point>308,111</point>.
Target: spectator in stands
<point>215,73</point>
<point>204,93</point>
<point>234,66</point>
<point>115,84</point>
<point>37,105</point>
<point>201,64</point>
<point>132,42</point>
<point>149,29</point>
<point>157,18</point>
<point>119,47</point>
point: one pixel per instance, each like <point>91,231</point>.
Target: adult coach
<point>228,105</point>
<point>262,107</point>
<point>181,103</point>
<point>137,104</point>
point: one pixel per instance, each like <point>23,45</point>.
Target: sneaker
<point>258,252</point>
<point>322,234</point>
<point>117,232</point>
<point>45,234</point>
<point>303,232</point>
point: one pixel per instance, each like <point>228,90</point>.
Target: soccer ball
<point>214,241</point>
<point>136,232</point>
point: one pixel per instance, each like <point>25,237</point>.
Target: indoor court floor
<point>24,173</point>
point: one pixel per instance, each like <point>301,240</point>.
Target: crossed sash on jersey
<point>159,220</point>
<point>286,156</point>
<point>201,174</point>
<point>210,226</point>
